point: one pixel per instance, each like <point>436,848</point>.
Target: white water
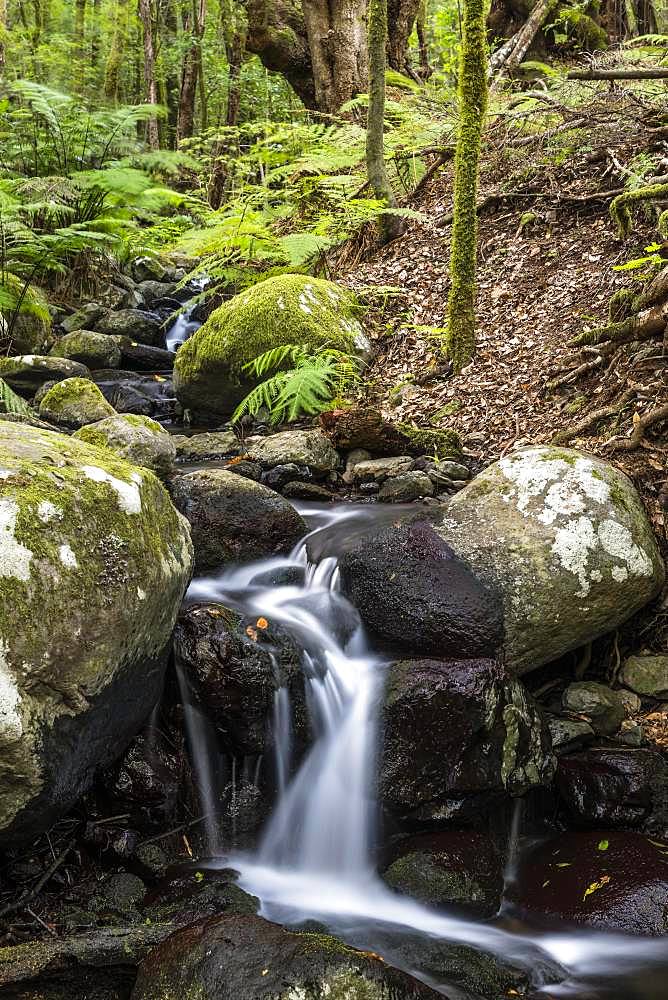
<point>315,858</point>
<point>184,325</point>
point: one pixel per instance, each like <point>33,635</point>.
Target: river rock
<point>234,519</point>
<point>206,447</point>
<point>568,733</point>
<point>410,588</point>
<point>237,666</point>
<point>149,269</point>
<point>314,492</point>
<point>74,402</point>
<point>138,439</point>
<point>377,470</point>
<point>83,318</point>
<point>95,350</point>
<point>604,879</point>
<point>646,675</point>
<point>310,448</point>
<point>449,869</point>
<point>279,311</point>
<point>563,538</point>
<point>615,788</point>
<point>131,392</point>
<point>31,332</point>
<point>150,290</point>
<point>137,324</point>
<point>281,475</point>
<point>233,957</point>
<point>406,487</point>
<point>145,783</point>
<point>27,372</point>
<point>142,357</point>
<point>470,714</point>
<point>93,565</point>
<point>602,707</point>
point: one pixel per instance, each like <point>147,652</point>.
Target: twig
<point>169,833</point>
<point>27,897</point>
<point>639,427</point>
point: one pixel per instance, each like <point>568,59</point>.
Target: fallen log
<point>651,73</point>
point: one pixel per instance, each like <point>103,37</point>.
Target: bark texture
<point>145,14</point>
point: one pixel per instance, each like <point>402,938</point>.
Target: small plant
<point>651,261</point>
<point>312,383</point>
<point>11,403</point>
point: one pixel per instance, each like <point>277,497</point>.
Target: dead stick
<point>653,73</point>
<point>28,896</point>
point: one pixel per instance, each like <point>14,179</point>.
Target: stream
<point>315,860</point>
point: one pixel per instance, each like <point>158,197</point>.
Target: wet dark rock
<point>470,733</point>
<point>605,879</point>
<point>189,895</point>
<point>233,519</point>
<point>120,896</point>
<point>615,788</point>
<point>139,325</point>
<point>144,784</point>
<point>569,733</point>
<point>132,392</point>
<point>601,706</point>
<point>307,491</point>
<point>451,869</point>
<point>249,470</point>
<point>412,590</point>
<point>150,290</point>
<point>281,475</point>
<point>111,838</point>
<point>144,358</point>
<point>236,667</point>
<point>233,957</point>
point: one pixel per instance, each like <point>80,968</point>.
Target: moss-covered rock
<point>135,438</point>
<point>443,444</point>
<point>231,958</point>
<point>94,561</point>
<point>288,309</point>
<point>95,350</point>
<point>75,402</point>
<point>25,373</point>
<point>31,328</point>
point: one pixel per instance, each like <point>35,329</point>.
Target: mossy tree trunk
<point>390,225</point>
<point>146,16</point>
<point>116,52</point>
<point>473,93</point>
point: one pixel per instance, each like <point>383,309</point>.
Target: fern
<point>11,403</point>
<point>307,388</point>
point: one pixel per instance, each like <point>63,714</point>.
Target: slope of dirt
<point>547,249</point>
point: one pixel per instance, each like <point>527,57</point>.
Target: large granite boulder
<point>94,561</point>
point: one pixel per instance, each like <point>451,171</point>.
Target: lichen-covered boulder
<point>27,372</point>
<point>136,438</point>
<point>306,448</point>
<point>95,350</point>
<point>94,561</point>
<point>74,402</point>
<point>234,519</point>
<point>563,538</point>
<point>229,958</point>
<point>458,737</point>
<point>287,309</point>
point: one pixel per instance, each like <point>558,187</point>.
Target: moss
<point>620,207</point>
<point>97,350</point>
<point>287,309</point>
<point>75,401</point>
<point>623,304</point>
<point>589,35</point>
<point>432,441</point>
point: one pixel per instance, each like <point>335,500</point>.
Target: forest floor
<point>547,251</point>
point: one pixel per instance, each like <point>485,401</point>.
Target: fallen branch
<point>653,73</point>
<point>640,425</point>
<point>594,418</point>
<point>31,894</point>
<point>649,323</point>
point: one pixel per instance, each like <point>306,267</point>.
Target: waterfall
<point>184,325</point>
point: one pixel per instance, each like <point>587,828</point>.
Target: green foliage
<point>311,385</point>
<point>11,403</point>
<point>651,260</point>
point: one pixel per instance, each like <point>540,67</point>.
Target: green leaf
<point>603,845</point>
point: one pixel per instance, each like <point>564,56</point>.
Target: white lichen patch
<point>141,594</point>
<point>14,556</point>
<point>572,546</point>
<point>11,725</point>
<point>618,542</point>
<point>129,497</point>
<point>6,473</point>
<point>560,487</point>
<point>67,557</point>
<point>48,511</point>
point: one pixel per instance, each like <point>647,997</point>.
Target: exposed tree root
<point>593,418</point>
<point>640,425</point>
<point>649,323</point>
<point>620,211</point>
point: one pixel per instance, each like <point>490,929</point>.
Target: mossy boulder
<point>287,309</point>
<point>74,402</point>
<point>26,373</point>
<point>95,350</point>
<point>94,561</point>
<point>31,328</point>
<point>564,540</point>
<point>136,438</point>
<point>229,958</point>
<point>233,519</point>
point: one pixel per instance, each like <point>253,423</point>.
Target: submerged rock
<point>233,519</point>
<point>135,438</point>
<point>132,392</point>
<point>26,373</point>
<point>95,350</point>
<point>458,736</point>
<point>143,357</point>
<point>604,879</point>
<point>74,402</point>
<point>237,667</point>
<point>287,309</point>
<point>562,537</point>
<point>410,588</point>
<point>309,448</point>
<point>449,869</point>
<point>94,561</point>
<point>228,958</point>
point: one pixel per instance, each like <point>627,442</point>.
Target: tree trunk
<point>473,94</point>
<point>172,82</point>
<point>79,43</point>
<point>421,28</point>
<point>95,35</point>
<point>235,56</point>
<point>193,23</point>
<point>115,57</point>
<point>277,34</point>
<point>390,225</point>
<point>152,132</point>
<point>3,34</point>
<point>510,55</point>
<point>336,33</point>
<point>401,15</point>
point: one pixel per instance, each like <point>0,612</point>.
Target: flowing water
<point>185,324</point>
<point>315,859</point>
